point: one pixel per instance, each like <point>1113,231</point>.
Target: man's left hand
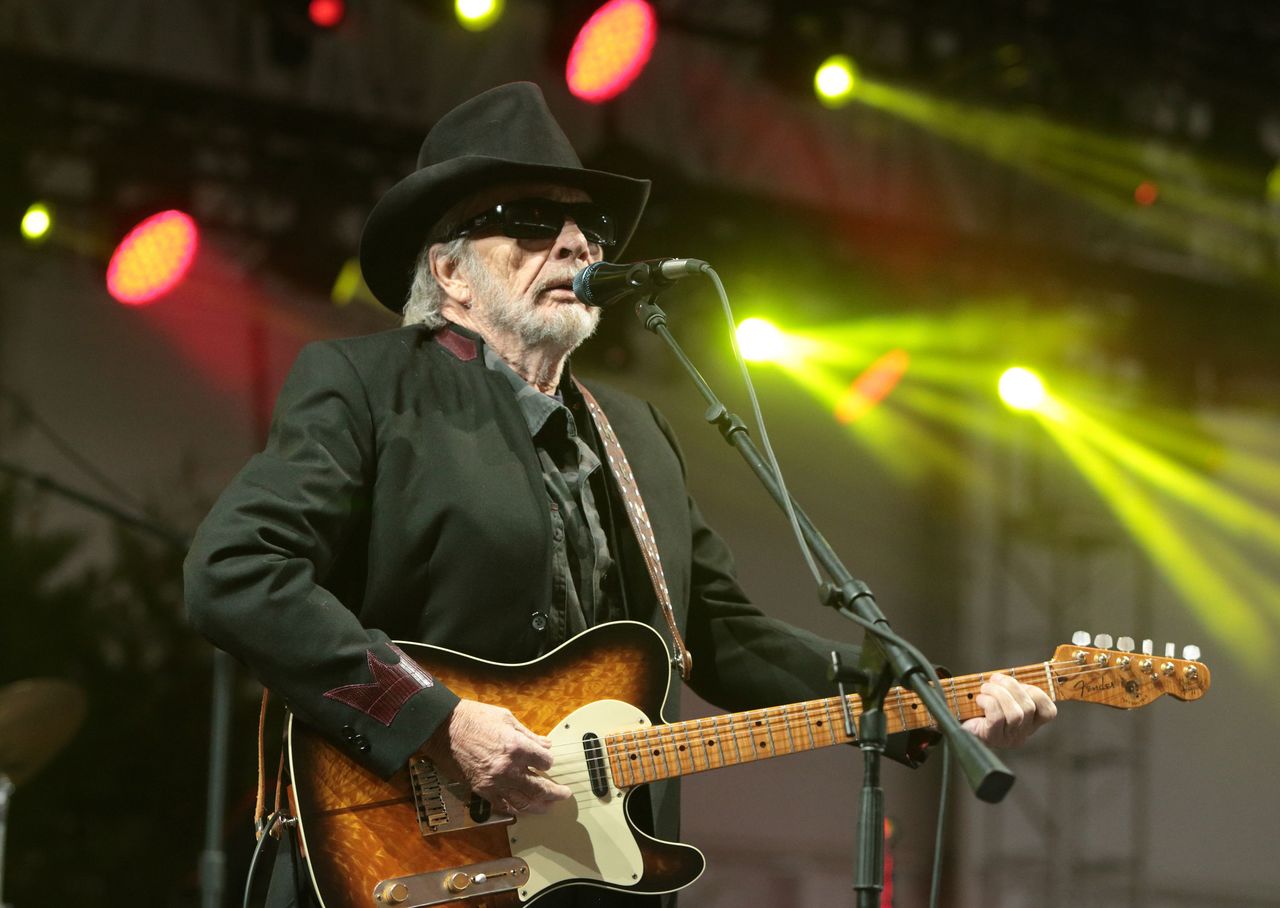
<point>1012,712</point>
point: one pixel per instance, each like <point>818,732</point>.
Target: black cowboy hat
<point>505,134</point>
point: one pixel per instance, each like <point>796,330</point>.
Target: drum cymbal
<point>38,717</point>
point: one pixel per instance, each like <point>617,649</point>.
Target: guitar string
<point>771,720</point>
<point>963,686</point>
<point>666,734</point>
<point>775,719</point>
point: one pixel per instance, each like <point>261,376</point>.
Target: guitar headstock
<point>1122,678</point>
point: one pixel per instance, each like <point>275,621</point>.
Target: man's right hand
<point>492,751</point>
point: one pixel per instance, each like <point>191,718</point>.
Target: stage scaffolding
<point>1048,560</point>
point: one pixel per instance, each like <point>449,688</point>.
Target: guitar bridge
<point>443,805</point>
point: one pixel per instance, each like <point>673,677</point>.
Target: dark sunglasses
<point>541,219</point>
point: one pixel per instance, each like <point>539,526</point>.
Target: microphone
<point>606,283</point>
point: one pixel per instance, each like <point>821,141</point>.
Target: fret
<point>705,744</point>
<point>954,701</point>
<point>786,726</point>
<point>733,731</point>
<point>662,748</point>
<point>768,730</point>
<point>637,756</point>
<point>902,716</point>
<point>836,722</point>
<point>626,771</point>
<point>808,726</point>
<point>693,755</point>
<point>716,748</point>
<point>675,747</point>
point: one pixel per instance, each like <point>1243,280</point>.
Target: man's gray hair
<point>426,296</point>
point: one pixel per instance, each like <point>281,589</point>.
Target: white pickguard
<point>584,837</point>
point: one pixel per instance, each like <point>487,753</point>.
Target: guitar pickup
<point>422,890</point>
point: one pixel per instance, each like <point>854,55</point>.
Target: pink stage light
<point>327,13</point>
<point>152,258</point>
<point>611,50</point>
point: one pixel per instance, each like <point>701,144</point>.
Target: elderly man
<point>449,482</point>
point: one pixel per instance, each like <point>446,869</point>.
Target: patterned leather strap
<point>639,518</point>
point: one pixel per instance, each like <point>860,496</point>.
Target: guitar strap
<point>260,827</point>
<point>639,518</point>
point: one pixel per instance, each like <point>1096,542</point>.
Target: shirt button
<point>538,621</point>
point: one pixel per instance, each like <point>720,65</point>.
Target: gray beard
<point>561,328</point>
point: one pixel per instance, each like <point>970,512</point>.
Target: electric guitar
<point>420,839</point>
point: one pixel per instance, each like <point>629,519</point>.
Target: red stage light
<point>152,258</point>
<point>872,386</point>
<point>611,50</point>
<point>1146,193</point>
<point>327,13</point>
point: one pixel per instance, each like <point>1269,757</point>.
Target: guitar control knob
<point>1191,652</point>
<point>457,882</point>
<point>1148,647</point>
<point>1102,641</point>
<point>1081,638</point>
<point>1125,644</point>
<point>392,893</point>
<point>1170,650</point>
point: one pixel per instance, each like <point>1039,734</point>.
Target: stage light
<point>1146,193</point>
<point>611,50</point>
<point>872,386</point>
<point>760,341</point>
<point>152,258</point>
<point>326,13</point>
<point>477,15</point>
<point>835,81</point>
<point>37,222</point>
<point>1022,389</point>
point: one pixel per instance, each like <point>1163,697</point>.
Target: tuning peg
<point>1081,638</point>
<point>1148,647</point>
<point>1191,652</point>
<point>1125,644</point>
<point>1102,641</point>
<point>1170,650</point>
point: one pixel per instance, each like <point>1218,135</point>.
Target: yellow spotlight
<point>1273,184</point>
<point>836,80</point>
<point>477,15</point>
<point>36,222</point>
<point>1022,389</point>
<point>760,341</point>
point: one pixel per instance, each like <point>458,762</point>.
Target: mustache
<point>563,281</point>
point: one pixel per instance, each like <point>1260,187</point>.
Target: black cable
<point>936,883</point>
<point>257,852</point>
<point>68,451</point>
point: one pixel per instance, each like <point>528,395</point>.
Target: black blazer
<point>400,497</point>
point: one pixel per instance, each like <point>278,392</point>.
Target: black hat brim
<point>400,224</point>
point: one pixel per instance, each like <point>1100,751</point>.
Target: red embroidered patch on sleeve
<point>391,688</point>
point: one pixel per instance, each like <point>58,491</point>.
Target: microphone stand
<point>883,659</point>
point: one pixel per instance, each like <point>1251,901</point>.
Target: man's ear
<point>445,269</point>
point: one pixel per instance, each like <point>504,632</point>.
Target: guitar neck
<point>645,755</point>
